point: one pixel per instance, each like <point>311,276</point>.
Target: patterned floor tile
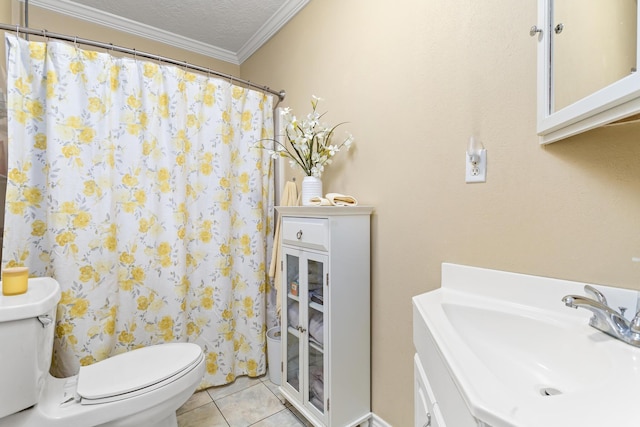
<point>240,383</point>
<point>284,418</point>
<point>246,407</point>
<point>196,400</point>
<point>203,416</point>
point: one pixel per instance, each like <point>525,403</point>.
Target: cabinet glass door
<point>314,304</point>
<point>305,365</point>
<point>292,317</point>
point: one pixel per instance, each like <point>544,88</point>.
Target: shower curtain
<point>137,187</point>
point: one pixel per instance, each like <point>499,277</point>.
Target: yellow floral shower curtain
<point>134,184</point>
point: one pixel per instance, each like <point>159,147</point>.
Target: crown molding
<point>120,23</point>
<point>286,12</point>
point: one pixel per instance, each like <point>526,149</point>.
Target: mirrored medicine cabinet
<point>587,65</point>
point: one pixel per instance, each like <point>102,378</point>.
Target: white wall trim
<point>90,14</point>
<point>376,421</point>
<point>129,26</point>
<point>270,28</point>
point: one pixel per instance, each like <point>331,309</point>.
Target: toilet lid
<point>136,370</point>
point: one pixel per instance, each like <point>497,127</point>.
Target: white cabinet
<point>326,313</point>
<point>588,54</point>
<point>434,385</point>
<point>427,412</point>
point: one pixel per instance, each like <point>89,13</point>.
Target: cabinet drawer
<point>308,232</point>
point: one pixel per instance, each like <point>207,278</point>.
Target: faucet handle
<point>599,296</point>
<point>635,324</point>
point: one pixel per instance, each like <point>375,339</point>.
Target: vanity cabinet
<point>436,395</point>
<point>325,299</point>
<point>427,412</point>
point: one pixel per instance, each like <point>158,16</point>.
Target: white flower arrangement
<point>308,142</point>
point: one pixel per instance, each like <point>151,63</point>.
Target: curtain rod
<point>46,34</point>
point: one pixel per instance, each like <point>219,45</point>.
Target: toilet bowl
<point>143,387</point>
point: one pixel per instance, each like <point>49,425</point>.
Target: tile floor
<point>246,402</point>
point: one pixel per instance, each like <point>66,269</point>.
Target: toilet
<point>142,387</point>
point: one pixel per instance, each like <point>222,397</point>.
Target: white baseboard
<point>376,421</point>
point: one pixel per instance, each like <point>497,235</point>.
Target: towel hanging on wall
<point>289,198</point>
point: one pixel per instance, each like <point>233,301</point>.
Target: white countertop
<point>505,336</point>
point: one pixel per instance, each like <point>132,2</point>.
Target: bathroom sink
<point>518,357</point>
<point>531,352</point>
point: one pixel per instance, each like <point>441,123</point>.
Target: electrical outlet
<point>476,171</point>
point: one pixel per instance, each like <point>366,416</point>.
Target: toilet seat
<point>135,372</point>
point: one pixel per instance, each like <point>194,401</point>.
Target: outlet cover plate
<point>477,173</point>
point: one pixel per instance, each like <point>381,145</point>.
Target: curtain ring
<point>17,31</point>
<point>75,41</point>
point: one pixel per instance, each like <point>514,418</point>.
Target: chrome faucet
<point>605,318</point>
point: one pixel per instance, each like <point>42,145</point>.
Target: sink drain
<point>549,391</point>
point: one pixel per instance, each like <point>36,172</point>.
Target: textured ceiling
<point>230,30</point>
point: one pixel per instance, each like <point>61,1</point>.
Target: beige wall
<point>416,79</point>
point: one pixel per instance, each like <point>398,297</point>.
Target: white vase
<point>311,187</point>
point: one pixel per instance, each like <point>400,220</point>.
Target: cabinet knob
<point>299,234</point>
<point>428,423</point>
<point>535,30</point>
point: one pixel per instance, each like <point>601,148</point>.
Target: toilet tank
<point>27,323</point>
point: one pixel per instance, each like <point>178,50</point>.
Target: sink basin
<point>519,357</point>
<point>530,352</point>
